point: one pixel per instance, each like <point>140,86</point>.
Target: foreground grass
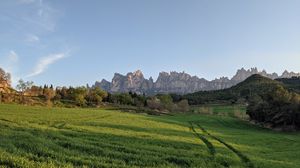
<point>59,137</point>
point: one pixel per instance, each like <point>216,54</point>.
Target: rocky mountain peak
<point>117,75</point>
<point>179,82</point>
<point>242,74</point>
<point>162,74</point>
<point>287,74</point>
<point>138,73</point>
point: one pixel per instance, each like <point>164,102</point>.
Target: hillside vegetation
<point>278,108</point>
<point>254,85</point>
<point>270,102</point>
<point>60,137</point>
<point>291,83</point>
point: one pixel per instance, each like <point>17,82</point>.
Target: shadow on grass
<point>158,131</point>
<point>96,149</point>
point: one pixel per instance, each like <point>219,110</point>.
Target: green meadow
<point>70,137</point>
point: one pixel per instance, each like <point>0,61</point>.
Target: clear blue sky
<point>68,42</point>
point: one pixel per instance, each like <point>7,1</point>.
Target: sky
<point>67,42</point>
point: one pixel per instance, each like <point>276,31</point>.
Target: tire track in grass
<point>209,145</point>
<point>59,125</point>
<point>9,121</point>
<point>243,157</point>
<point>62,124</point>
<point>89,118</point>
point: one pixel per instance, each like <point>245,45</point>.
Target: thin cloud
<point>30,1</point>
<point>10,62</point>
<point>35,16</point>
<point>31,38</point>
<point>45,62</point>
<point>10,65</point>
<point>26,1</point>
<point>44,17</point>
<point>13,57</point>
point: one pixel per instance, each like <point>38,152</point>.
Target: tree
<point>78,95</point>
<point>166,101</point>
<point>122,98</point>
<point>183,106</point>
<point>96,95</point>
<point>49,94</point>
<point>23,87</point>
<point>61,93</point>
<point>4,77</point>
<point>35,91</point>
<point>4,82</point>
<point>139,100</point>
<point>277,108</point>
<point>154,103</point>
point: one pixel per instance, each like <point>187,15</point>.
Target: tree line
<point>84,96</point>
<point>269,102</point>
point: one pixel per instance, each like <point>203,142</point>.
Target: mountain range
<point>179,82</point>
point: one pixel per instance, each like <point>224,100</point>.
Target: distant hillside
<point>291,83</point>
<point>179,82</point>
<point>255,84</point>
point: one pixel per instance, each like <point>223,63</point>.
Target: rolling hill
<point>255,84</point>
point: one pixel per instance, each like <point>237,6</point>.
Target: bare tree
<point>23,87</point>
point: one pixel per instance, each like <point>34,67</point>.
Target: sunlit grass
<point>62,137</point>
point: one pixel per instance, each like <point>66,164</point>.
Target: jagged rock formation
<point>287,74</point>
<point>243,74</point>
<point>134,82</point>
<point>178,82</point>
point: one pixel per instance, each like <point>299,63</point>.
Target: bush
<point>154,103</point>
<point>278,108</point>
<point>183,106</point>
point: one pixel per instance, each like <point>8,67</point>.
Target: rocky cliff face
<point>242,74</point>
<point>287,74</point>
<point>134,82</point>
<point>178,82</point>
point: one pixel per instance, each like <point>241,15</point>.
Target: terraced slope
<point>56,137</point>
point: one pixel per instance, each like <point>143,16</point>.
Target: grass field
<point>237,111</point>
<point>60,137</point>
